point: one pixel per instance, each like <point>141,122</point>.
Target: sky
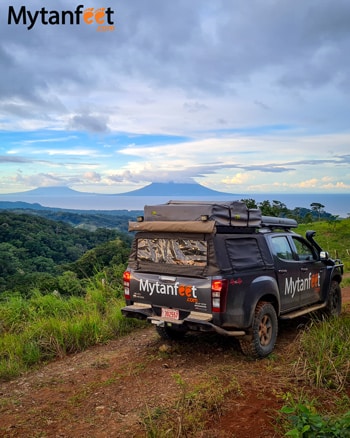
<point>239,96</point>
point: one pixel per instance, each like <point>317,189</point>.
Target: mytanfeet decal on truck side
<point>293,285</point>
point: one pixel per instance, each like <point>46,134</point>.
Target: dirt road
<point>110,390</point>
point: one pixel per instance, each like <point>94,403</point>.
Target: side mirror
<point>324,255</point>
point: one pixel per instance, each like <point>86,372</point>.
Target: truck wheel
<point>334,302</point>
<point>169,334</point>
<point>264,332</point>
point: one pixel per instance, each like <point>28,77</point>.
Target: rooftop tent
<point>205,217</point>
<point>232,213</point>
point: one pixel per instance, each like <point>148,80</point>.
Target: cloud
<point>89,122</point>
<point>267,168</point>
<point>239,178</point>
<point>190,89</point>
<point>186,45</point>
<point>6,159</point>
<point>40,180</point>
<point>92,176</point>
<point>193,107</point>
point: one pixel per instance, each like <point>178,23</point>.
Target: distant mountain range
<point>67,198</point>
<point>153,189</point>
<point>159,193</point>
<point>45,191</point>
<point>175,189</point>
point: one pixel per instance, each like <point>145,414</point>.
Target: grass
<point>45,327</point>
<point>323,364</point>
<point>195,405</point>
<point>346,281</point>
<point>332,236</point>
<point>324,353</point>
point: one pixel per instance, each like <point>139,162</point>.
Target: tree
<point>266,208</point>
<point>308,218</point>
<point>69,284</point>
<point>277,208</point>
<point>317,208</point>
<point>250,203</point>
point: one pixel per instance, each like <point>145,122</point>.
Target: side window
<point>244,254</point>
<point>303,250</point>
<point>281,248</point>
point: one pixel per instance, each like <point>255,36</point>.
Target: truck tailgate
<point>167,291</point>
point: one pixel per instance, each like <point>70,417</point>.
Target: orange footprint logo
<point>88,15</point>
<point>100,15</point>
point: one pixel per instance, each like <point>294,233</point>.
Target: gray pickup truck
<point>222,267</point>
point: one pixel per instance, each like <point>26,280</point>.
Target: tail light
<point>126,282</point>
<point>218,295</point>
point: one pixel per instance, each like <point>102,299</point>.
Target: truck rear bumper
<point>196,321</point>
<point>139,311</point>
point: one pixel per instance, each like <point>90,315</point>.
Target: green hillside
<point>87,219</point>
<point>35,252</point>
<point>332,236</point>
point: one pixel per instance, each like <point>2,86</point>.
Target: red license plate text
<point>170,313</point>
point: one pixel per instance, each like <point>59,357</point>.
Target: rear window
<point>188,252</point>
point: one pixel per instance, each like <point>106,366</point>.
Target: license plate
<point>170,313</point>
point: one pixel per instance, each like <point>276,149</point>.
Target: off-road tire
<point>264,332</point>
<point>169,334</point>
<point>334,302</point>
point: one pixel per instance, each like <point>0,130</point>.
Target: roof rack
<point>278,222</point>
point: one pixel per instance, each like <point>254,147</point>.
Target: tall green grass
<point>45,327</point>
<point>325,353</point>
<point>324,363</point>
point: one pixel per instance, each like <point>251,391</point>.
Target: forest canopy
<point>35,250</point>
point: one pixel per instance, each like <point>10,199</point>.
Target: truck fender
<point>263,288</point>
<point>334,273</point>
<point>337,272</point>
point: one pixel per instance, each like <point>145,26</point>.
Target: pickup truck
<point>224,268</point>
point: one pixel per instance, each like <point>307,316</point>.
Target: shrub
<point>303,421</point>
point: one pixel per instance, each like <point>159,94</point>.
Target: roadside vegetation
<point>41,328</point>
<point>302,419</point>
<point>61,292</point>
<point>322,362</point>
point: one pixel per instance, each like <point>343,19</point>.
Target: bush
<point>305,422</point>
